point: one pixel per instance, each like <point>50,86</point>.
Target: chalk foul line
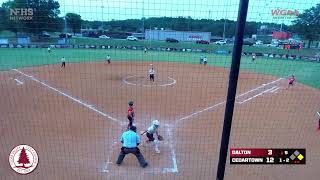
<point>174,168</point>
<point>18,82</point>
<point>79,101</point>
<point>265,91</point>
<point>223,102</point>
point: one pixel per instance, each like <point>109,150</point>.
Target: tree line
<point>46,16</point>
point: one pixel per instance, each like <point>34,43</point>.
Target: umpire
<point>130,141</point>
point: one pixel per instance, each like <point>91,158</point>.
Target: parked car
<point>259,42</point>
<point>221,42</point>
<point>132,38</point>
<point>249,43</point>
<point>172,40</point>
<point>104,37</point>
<point>44,34</point>
<point>65,35</point>
<point>202,42</point>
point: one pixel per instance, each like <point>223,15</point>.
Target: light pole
<point>143,16</point>
<point>224,26</point>
<point>102,17</point>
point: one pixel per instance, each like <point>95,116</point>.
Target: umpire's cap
<point>133,128</point>
<point>130,103</point>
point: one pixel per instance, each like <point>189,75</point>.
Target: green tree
<point>3,20</point>
<point>307,24</point>
<point>74,22</point>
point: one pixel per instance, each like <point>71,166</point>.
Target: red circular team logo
<point>23,159</point>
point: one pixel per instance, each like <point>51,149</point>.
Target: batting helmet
<point>156,122</point>
<point>130,103</point>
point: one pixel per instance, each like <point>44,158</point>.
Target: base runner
<point>319,120</point>
<point>291,81</point>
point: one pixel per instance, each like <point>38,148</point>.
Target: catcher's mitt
<point>160,138</point>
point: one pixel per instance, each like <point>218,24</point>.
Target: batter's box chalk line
<point>125,80</point>
<point>169,142</point>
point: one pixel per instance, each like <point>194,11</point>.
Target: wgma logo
<point>284,13</point>
<point>21,14</point>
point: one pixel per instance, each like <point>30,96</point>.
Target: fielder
<point>291,81</point>
<point>63,62</point>
<point>108,59</point>
<point>145,50</point>
<point>152,72</point>
<point>149,133</point>
<point>131,114</point>
<point>205,61</point>
<point>49,49</point>
<point>253,57</point>
<point>201,59</point>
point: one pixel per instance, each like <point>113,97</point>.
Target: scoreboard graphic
<point>267,156</point>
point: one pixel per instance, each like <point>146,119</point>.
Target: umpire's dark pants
<point>135,151</point>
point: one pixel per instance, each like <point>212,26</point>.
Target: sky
<point>106,10</point>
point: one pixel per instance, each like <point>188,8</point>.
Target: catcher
<point>149,133</point>
<point>130,114</point>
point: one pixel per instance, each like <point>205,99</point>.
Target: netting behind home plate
<point>69,69</point>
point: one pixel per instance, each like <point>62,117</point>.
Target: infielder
<point>201,59</point>
<point>131,114</point>
<point>152,72</point>
<point>108,59</point>
<point>205,61</point>
<point>63,62</point>
<point>253,57</point>
<point>149,133</point>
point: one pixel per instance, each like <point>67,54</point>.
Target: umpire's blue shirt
<point>130,139</point>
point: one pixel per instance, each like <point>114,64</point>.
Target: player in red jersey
<point>131,114</point>
<point>292,79</point>
<point>319,120</point>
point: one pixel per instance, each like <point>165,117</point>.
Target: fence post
<point>232,88</point>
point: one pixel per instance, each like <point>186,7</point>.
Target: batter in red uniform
<point>130,115</point>
<point>292,79</point>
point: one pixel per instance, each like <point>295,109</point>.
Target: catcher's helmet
<point>156,122</point>
<point>130,103</point>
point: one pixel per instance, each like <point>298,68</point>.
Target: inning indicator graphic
<point>267,156</point>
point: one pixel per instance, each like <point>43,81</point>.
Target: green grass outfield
<point>306,72</point>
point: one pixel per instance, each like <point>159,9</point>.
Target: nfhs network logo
<point>24,14</point>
